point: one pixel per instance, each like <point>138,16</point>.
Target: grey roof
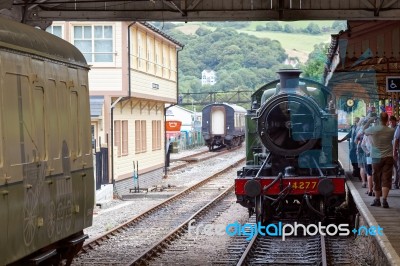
<point>27,39</point>
<point>148,25</point>
<point>96,105</point>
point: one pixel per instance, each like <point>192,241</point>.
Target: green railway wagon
<point>46,162</point>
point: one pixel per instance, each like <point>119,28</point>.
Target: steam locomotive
<point>292,169</point>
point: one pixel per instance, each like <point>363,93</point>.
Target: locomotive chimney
<point>289,80</point>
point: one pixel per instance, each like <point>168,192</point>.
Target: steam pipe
<point>112,137</point>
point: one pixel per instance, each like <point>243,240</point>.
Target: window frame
<point>140,136</point>
<point>93,39</point>
<point>156,134</point>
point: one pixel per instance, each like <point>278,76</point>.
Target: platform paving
<point>388,219</point>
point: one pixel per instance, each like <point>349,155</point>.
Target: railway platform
<point>388,219</point>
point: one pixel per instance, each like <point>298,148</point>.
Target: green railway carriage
<point>46,163</point>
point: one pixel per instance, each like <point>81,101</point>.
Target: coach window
<point>63,113</point>
<point>39,117</point>
<point>74,123</point>
<point>84,120</point>
<point>95,42</point>
<point>18,131</point>
<point>52,119</point>
<point>1,131</point>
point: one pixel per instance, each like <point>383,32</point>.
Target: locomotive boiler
<point>223,124</point>
<point>46,161</point>
<point>292,169</point>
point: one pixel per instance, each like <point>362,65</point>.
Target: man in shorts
<point>382,158</point>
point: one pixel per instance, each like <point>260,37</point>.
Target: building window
<point>117,136</point>
<point>55,30</point>
<point>156,134</point>
<point>140,136</point>
<point>95,42</point>
<point>121,137</point>
<point>139,52</point>
<point>125,137</point>
<point>149,46</point>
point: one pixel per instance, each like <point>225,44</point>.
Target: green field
<point>295,44</point>
<point>296,24</point>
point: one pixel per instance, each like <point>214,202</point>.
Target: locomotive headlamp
<point>252,188</point>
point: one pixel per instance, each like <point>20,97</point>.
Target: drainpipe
<point>112,138</point>
<point>118,100</point>
<point>129,58</point>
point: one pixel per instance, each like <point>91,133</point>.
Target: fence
<point>190,140</point>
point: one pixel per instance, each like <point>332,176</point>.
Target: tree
<point>313,28</point>
<point>315,65</point>
<point>240,60</point>
<point>273,26</point>
<point>339,25</point>
<point>260,28</point>
<point>201,31</point>
<point>288,28</point>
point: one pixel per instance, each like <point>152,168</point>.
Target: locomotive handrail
<point>282,194</point>
<point>319,169</point>
<point>273,182</point>
<point>262,166</point>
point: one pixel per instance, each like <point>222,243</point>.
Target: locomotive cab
<point>292,168</point>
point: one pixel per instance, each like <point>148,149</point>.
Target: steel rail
<point>247,251</point>
<point>187,160</point>
<point>324,260</point>
<point>97,241</point>
<point>174,234</point>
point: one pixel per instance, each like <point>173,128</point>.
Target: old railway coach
<point>223,125</point>
<point>46,172</point>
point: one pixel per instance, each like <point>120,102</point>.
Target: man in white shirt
<point>382,158</point>
<point>351,136</point>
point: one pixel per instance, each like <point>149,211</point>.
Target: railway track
<point>299,250</point>
<point>120,245</point>
<point>165,242</point>
<point>198,157</point>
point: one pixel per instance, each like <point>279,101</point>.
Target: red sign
<point>173,125</point>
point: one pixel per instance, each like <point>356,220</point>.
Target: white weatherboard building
<point>133,76</point>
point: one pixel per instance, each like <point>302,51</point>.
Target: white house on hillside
<point>208,77</point>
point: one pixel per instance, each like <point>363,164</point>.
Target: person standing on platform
<point>366,146</point>
<point>351,136</point>
<point>392,121</point>
<point>396,157</point>
<point>361,156</point>
<point>381,137</point>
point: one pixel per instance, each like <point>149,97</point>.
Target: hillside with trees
<point>241,54</point>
